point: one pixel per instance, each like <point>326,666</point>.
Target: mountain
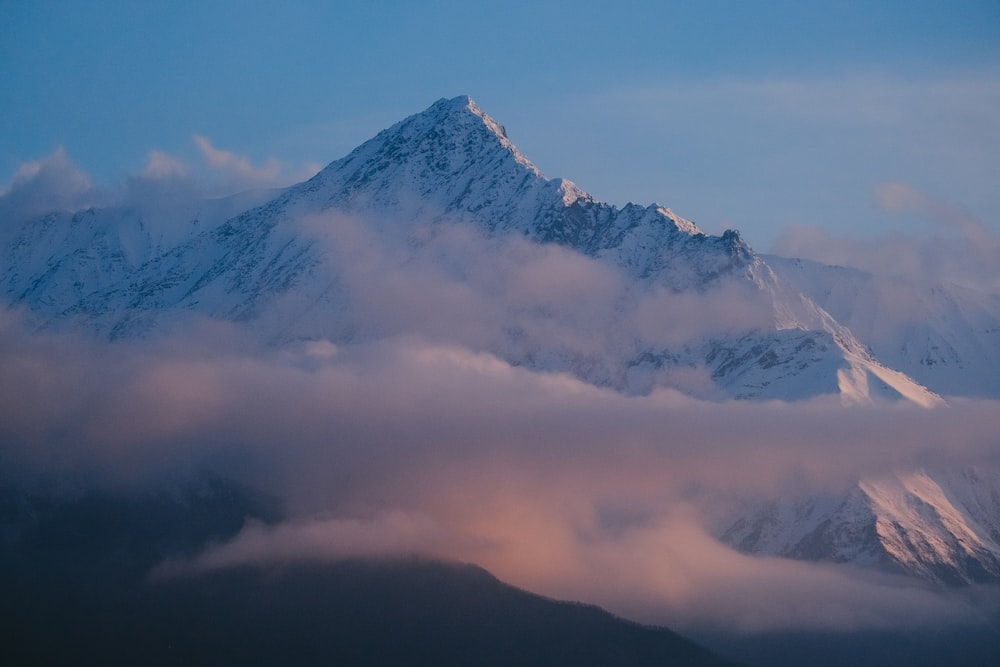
<point>946,337</point>
<point>440,229</point>
<point>942,527</point>
<point>75,565</point>
<point>273,268</point>
<point>53,262</point>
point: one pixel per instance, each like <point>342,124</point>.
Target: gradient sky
<point>755,115</point>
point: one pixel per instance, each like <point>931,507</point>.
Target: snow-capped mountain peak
<point>450,154</point>
<point>452,164</point>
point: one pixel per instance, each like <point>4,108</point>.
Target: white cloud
<point>960,249</point>
<point>48,184</point>
<point>237,167</point>
<point>164,188</point>
<point>420,442</point>
<point>542,305</point>
<point>159,165</point>
<point>406,447</point>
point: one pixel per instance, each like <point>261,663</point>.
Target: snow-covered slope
<point>947,337</point>
<point>451,165</point>
<point>942,527</point>
<point>54,262</point>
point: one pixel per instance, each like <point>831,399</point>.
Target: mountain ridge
<point>452,164</point>
<point>81,563</point>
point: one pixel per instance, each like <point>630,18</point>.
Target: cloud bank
<point>413,446</point>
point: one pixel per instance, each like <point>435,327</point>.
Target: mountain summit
<point>450,159</point>
<point>453,162</point>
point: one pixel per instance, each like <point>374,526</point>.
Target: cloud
<point>166,195</point>
<point>423,441</point>
<point>227,171</point>
<point>896,197</point>
<point>542,305</point>
<point>901,198</point>
<point>238,168</point>
<point>159,166</point>
<point>393,533</point>
<point>56,183</point>
<point>959,250</point>
<point>52,183</point>
<point>954,110</point>
<point>407,445</point>
<point>657,566</point>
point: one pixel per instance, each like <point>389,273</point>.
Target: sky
<point>768,117</point>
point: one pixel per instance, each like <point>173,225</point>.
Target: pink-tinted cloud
<point>323,539</point>
<point>52,183</point>
<point>237,167</point>
<point>408,446</point>
<point>160,165</point>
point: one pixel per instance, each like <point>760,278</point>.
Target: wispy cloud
<point>164,184</point>
<point>902,198</point>
<point>959,249</point>
<point>542,305</point>
<point>237,166</point>
<point>954,108</point>
<point>159,165</point>
<point>50,183</point>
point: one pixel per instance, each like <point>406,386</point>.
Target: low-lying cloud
<point>544,306</point>
<point>408,445</point>
<point>50,183</point>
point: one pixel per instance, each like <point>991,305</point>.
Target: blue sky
<point>754,115</point>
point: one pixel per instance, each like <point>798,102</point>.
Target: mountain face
<point>944,336</point>
<point>942,527</point>
<point>451,165</point>
<point>53,262</point>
